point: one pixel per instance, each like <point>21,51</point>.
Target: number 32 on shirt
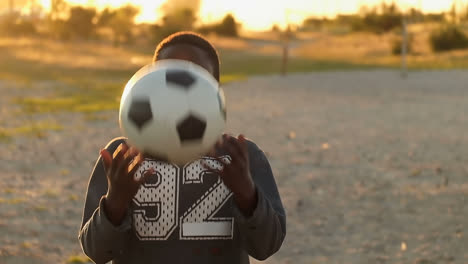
<point>162,194</point>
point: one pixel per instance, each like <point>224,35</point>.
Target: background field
<point>371,167</point>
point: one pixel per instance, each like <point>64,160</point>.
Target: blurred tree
<point>177,20</point>
<point>81,22</point>
<point>58,9</point>
<point>13,23</point>
<point>11,6</point>
<point>227,27</point>
<point>453,13</point>
<point>183,18</point>
<point>275,28</point>
<point>415,15</point>
<point>105,16</point>
<point>390,18</point>
<point>379,19</point>
<point>448,37</point>
<point>122,22</point>
<point>58,14</point>
<point>36,11</point>
<point>170,7</point>
<point>317,23</point>
<point>464,15</point>
<point>397,45</point>
<point>434,17</point>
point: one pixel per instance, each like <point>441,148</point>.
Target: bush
<point>122,23</point>
<point>59,29</point>
<point>227,27</point>
<point>449,37</point>
<point>378,19</point>
<point>81,22</point>
<point>177,20</point>
<point>397,43</point>
<point>16,26</point>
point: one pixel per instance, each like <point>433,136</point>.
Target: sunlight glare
<point>262,14</point>
<point>45,4</point>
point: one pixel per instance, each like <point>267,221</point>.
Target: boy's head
<point>191,47</point>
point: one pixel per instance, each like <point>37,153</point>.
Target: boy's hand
<point>122,187</point>
<point>236,174</point>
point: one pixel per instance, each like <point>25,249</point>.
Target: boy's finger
<point>242,141</point>
<point>118,156</point>
<point>128,157</point>
<point>134,165</point>
<point>219,143</point>
<point>231,146</point>
<point>106,159</point>
<point>239,147</point>
<point>243,145</point>
<point>121,148</point>
<point>210,168</point>
<point>223,163</point>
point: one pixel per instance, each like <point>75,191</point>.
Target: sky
<point>262,14</point>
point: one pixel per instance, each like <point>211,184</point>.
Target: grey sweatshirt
<point>184,215</point>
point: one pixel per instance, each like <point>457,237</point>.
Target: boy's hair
<point>190,38</point>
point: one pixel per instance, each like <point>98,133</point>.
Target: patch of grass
<point>89,89</point>
<point>27,72</point>
<point>9,190</point>
<point>446,61</point>
<point>40,208</point>
<point>26,245</point>
<point>73,197</point>
<point>17,200</point>
<point>83,97</point>
<point>416,172</point>
<point>74,103</point>
<point>51,193</point>
<point>12,200</point>
<point>37,129</point>
<point>227,78</point>
<point>94,88</point>
<point>93,116</point>
<point>5,136</point>
<point>76,259</point>
<point>240,63</point>
<point>78,89</point>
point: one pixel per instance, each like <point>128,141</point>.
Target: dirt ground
<point>371,168</point>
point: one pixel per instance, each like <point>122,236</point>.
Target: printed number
<point>198,221</point>
<point>157,200</point>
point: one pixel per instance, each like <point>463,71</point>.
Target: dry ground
<point>371,168</point>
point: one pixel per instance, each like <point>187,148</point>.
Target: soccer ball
<point>173,110</point>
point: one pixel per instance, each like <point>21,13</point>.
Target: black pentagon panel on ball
<point>140,112</point>
<point>191,128</point>
<point>180,78</point>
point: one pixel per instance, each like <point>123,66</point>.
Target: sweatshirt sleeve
<point>263,232</point>
<point>99,238</point>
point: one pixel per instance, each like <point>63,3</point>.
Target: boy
<point>218,209</point>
